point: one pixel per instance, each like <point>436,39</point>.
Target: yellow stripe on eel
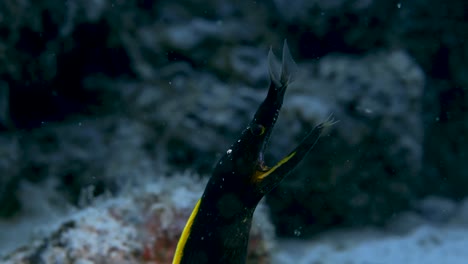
<point>185,234</point>
<point>260,175</point>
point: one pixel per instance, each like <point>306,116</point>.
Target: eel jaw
<point>268,112</point>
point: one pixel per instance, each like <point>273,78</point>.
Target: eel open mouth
<point>261,166</point>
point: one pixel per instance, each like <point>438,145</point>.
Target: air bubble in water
<point>297,232</point>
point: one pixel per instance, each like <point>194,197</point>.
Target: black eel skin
<point>218,229</point>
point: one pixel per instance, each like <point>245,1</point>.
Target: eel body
<point>218,228</point>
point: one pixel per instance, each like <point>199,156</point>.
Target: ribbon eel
<point>218,228</point>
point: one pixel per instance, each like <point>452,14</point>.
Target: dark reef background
<point>97,93</point>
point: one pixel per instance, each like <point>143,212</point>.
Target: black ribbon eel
<point>218,228</point>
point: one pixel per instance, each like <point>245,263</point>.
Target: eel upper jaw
<point>268,111</point>
<point>266,116</point>
<point>250,147</point>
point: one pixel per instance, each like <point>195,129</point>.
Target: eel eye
<point>257,130</point>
